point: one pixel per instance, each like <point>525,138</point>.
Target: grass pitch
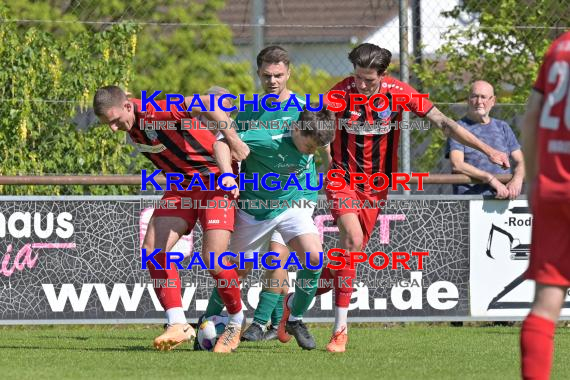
<point>411,351</point>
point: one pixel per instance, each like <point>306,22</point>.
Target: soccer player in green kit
<point>282,152</point>
<point>273,71</point>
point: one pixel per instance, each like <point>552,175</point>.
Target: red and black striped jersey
<point>371,149</point>
<point>186,150</point>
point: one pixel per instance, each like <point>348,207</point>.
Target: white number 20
<point>559,70</point>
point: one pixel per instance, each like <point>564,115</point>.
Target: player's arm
<point>223,156</point>
<point>515,184</point>
<point>451,129</point>
<point>459,166</point>
<point>239,150</point>
<point>529,130</point>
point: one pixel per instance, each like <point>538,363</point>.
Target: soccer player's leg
<point>550,268</point>
<point>342,201</point>
<point>355,232</point>
<point>298,229</point>
<point>269,297</point>
<point>537,333</point>
<point>250,236</point>
<point>164,230</point>
<point>306,287</point>
<point>218,224</point>
<point>216,240</point>
<point>215,303</point>
<point>282,277</point>
<point>351,239</point>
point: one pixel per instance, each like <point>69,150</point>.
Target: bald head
<point>481,86</point>
<point>481,101</point>
<point>217,90</point>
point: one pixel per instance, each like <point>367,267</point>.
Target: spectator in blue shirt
<point>496,133</point>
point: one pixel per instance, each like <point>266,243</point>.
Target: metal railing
<point>132,180</point>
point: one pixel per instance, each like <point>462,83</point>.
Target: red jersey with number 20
<point>375,149</point>
<point>553,177</point>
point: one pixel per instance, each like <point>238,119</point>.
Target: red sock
<point>326,275</point>
<point>537,347</point>
<point>344,286</point>
<point>229,290</point>
<point>168,296</point>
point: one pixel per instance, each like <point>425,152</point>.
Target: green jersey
<point>263,119</point>
<point>273,151</point>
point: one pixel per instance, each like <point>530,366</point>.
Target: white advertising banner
<point>500,234</point>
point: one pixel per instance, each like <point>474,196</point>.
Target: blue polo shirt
<point>497,134</point>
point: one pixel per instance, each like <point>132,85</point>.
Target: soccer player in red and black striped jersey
<point>546,146</point>
<point>371,148</point>
<point>187,151</point>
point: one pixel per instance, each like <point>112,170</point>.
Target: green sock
<point>305,291</point>
<point>278,311</point>
<point>215,304</point>
<point>267,302</point>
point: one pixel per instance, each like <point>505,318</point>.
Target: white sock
<point>340,319</point>
<point>175,315</point>
<point>263,328</point>
<point>293,318</point>
<point>237,318</point>
<point>290,305</point>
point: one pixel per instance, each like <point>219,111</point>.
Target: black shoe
<point>270,334</point>
<point>253,333</point>
<point>196,343</point>
<point>299,330</point>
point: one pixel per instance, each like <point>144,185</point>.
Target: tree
<point>43,81</point>
<point>504,45</point>
<point>176,46</point>
<point>49,69</point>
<point>182,47</point>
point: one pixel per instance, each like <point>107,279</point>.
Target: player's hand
<point>500,158</point>
<point>230,182</point>
<point>515,188</point>
<point>239,149</point>
<point>502,191</point>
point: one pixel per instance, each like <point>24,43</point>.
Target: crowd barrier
<point>77,260</point>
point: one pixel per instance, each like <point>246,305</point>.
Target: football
<point>209,331</point>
